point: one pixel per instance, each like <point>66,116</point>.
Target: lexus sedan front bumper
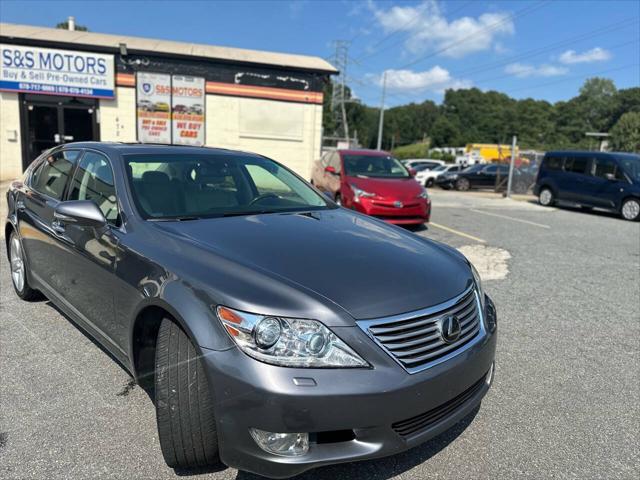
<point>350,414</point>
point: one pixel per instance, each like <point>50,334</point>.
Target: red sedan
<point>374,183</point>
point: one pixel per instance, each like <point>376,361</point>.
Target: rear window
<point>553,163</point>
<point>376,166</point>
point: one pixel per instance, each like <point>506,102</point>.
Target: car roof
<point>592,152</point>
<point>364,151</point>
<point>124,148</point>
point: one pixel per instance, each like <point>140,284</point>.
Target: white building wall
<point>290,133</point>
<point>118,116</point>
<point>10,141</point>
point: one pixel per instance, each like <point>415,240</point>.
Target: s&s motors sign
<point>56,72</point>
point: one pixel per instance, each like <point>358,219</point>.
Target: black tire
<point>24,291</point>
<point>630,209</point>
<point>520,187</point>
<point>429,183</point>
<point>184,406</point>
<point>546,197</point>
<point>462,184</point>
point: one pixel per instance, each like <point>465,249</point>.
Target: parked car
<point>591,179</point>
<point>275,331</point>
<point>161,107</point>
<point>374,183</point>
<point>145,105</point>
<point>196,109</point>
<point>428,162</point>
<point>480,176</point>
<point>427,177</point>
<point>179,108</point>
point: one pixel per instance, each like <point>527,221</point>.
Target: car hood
<point>396,188</point>
<point>364,266</point>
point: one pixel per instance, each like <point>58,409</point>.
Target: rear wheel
<point>546,197</point>
<point>630,209</point>
<point>184,405</point>
<point>462,184</point>
<point>19,270</point>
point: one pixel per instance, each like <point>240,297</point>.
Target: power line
<point>520,13</point>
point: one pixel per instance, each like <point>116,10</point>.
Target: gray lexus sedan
<point>275,330</point>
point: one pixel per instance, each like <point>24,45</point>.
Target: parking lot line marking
<point>457,232</point>
<point>510,218</point>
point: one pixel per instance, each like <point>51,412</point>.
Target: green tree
<point>445,133</point>
<point>65,26</point>
<point>597,102</point>
<point>625,134</point>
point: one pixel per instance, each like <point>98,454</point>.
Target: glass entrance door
<point>52,120</point>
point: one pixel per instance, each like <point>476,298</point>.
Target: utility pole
<point>338,90</point>
<point>511,165</point>
<point>381,121</point>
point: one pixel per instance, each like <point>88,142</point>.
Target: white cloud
<point>437,79</point>
<point>429,29</point>
<point>524,70</point>
<point>596,54</point>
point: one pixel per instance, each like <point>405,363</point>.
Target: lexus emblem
<point>397,204</point>
<point>449,328</point>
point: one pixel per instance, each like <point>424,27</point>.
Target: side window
<point>52,175</point>
<point>334,161</point>
<point>576,164</point>
<point>94,181</point>
<point>491,169</point>
<point>553,163</point>
<point>604,166</point>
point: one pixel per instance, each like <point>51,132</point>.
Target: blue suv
<point>591,179</point>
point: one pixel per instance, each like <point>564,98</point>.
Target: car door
<point>91,267</point>
<point>604,182</point>
<point>573,184</point>
<point>45,189</point>
<point>485,177</point>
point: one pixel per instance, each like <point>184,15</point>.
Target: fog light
<point>489,377</point>
<point>283,444</point>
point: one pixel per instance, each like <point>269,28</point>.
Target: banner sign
<point>187,107</point>
<point>153,106</point>
<point>56,72</point>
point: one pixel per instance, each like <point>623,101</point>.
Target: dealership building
<point>59,86</point>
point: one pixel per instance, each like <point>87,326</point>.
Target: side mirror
<point>611,177</point>
<point>330,170</point>
<point>413,172</point>
<point>83,213</point>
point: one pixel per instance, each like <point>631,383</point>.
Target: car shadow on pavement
<point>580,210</point>
<point>387,467</point>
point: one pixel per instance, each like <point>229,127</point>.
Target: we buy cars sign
<point>153,106</point>
<point>187,110</point>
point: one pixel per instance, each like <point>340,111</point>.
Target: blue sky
<point>526,48</point>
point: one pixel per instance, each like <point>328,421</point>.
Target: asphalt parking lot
<point>565,401</point>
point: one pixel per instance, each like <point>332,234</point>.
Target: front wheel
<point>462,184</point>
<point>19,270</point>
<point>429,183</point>
<point>630,209</point>
<point>546,197</point>
<point>184,405</point>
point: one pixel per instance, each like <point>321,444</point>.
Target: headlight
<point>423,193</point>
<point>453,176</point>
<point>288,342</point>
<point>478,281</point>
<point>358,193</point>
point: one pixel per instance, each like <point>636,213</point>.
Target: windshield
<point>197,186</point>
<point>374,166</point>
<point>439,168</point>
<point>631,165</point>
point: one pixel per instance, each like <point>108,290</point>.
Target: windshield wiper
<point>176,219</point>
<point>255,212</point>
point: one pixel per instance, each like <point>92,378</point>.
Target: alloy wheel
<point>631,209</point>
<point>546,197</point>
<point>17,264</point>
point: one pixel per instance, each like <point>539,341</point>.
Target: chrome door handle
<point>57,227</point>
<point>20,206</point>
